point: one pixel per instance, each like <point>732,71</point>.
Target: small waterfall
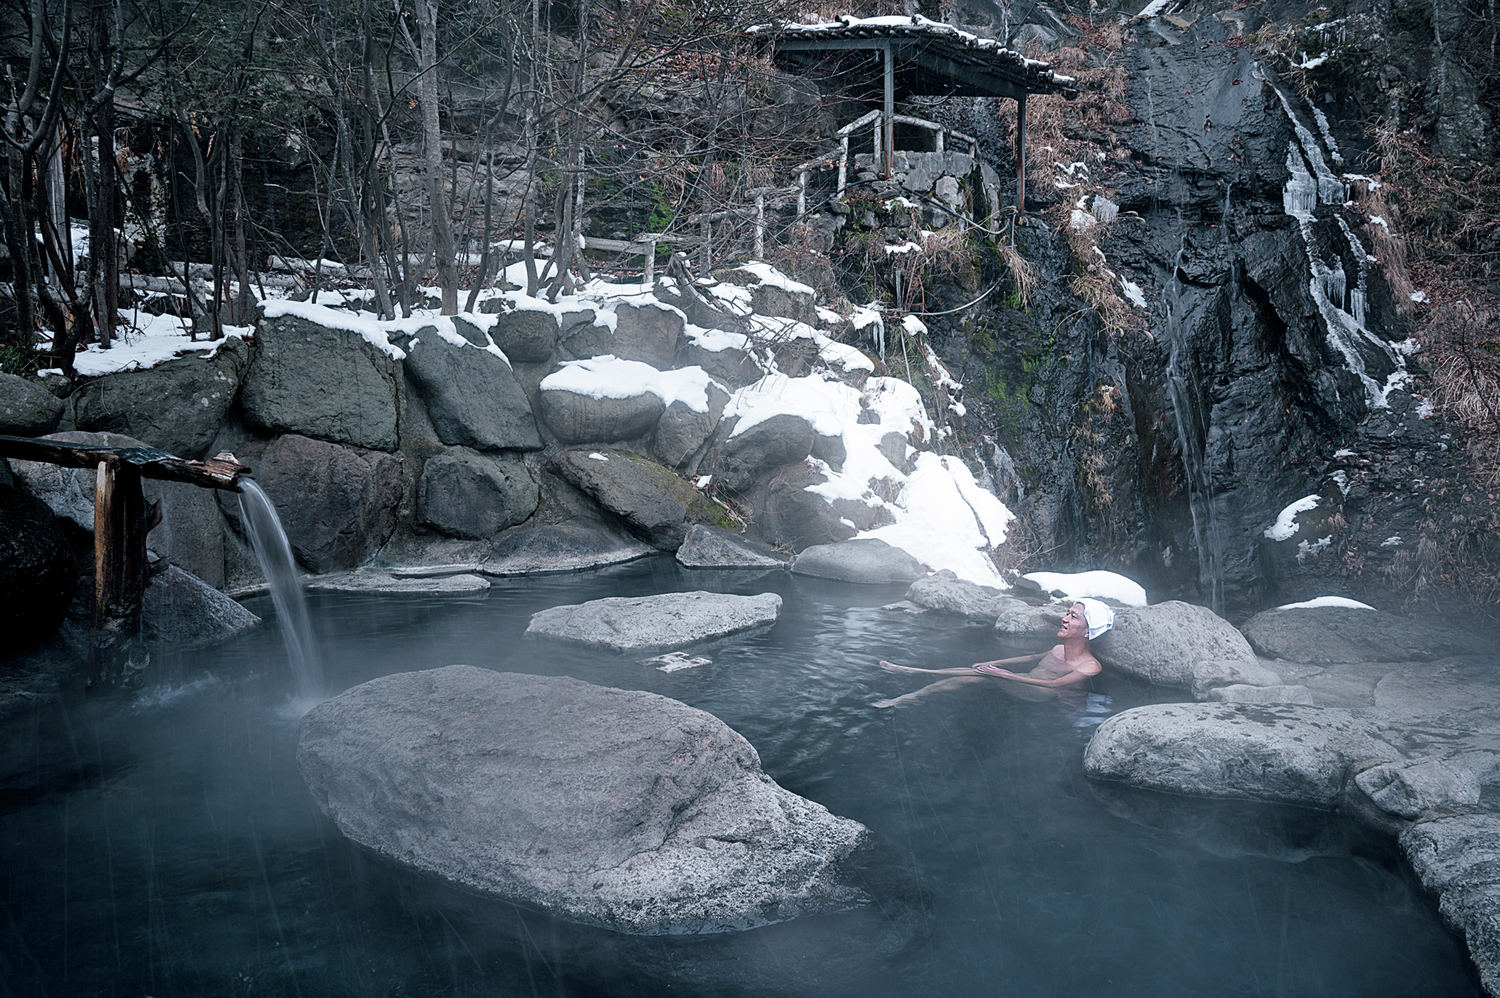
<point>274,553</point>
<point>1188,414</point>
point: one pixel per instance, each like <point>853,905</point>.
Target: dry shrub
<point>1022,271</point>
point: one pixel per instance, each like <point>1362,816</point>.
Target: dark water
<point>168,847</point>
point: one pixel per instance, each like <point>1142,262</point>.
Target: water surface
<point>167,846</point>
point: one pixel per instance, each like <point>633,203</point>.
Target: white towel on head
<point>1099,617</point>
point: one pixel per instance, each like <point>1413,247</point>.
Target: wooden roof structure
<point>929,58</point>
<point>921,57</point>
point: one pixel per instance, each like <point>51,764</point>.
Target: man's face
<point>1074,623</point>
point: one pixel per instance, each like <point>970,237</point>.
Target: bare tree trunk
<point>432,144</point>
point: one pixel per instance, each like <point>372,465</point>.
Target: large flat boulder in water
<point>1164,643</point>
<point>866,559</point>
<point>1319,635</point>
<point>945,592</point>
<point>1283,752</point>
<point>614,808</point>
<point>656,623</point>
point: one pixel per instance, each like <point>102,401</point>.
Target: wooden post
<point>760,226</point>
<point>888,119</point>
<point>705,253</point>
<point>802,193</point>
<point>843,164</point>
<point>650,263</point>
<point>117,658</point>
<point>938,137</point>
<point>1021,155</point>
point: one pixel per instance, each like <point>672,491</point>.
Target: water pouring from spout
<point>274,553</point>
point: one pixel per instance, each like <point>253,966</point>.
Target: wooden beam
<point>214,473</point>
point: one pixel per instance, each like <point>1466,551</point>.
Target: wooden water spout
<point>121,521</point>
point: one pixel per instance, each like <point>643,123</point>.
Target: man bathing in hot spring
<point>1067,663</point>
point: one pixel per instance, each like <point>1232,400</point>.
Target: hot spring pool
<point>167,846</point>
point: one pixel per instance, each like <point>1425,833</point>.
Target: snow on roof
<point>1096,584</point>
<point>1286,522</point>
<point>915,26</point>
<point>1344,601</point>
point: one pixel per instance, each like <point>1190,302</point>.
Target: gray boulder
<point>576,418</point>
<point>26,408</point>
<point>37,570</point>
<point>561,547</point>
<point>527,336</point>
<point>1457,857</point>
<point>365,581</point>
<point>463,493</point>
<point>176,406</point>
<point>326,383</point>
<point>866,559</point>
<point>1211,674</point>
<point>613,808</point>
<point>655,503</point>
<point>682,430</point>
<point>1245,693</point>
<point>947,593</point>
<point>472,396</point>
<point>656,623</point>
<point>1020,619</point>
<point>734,366</point>
<point>1408,788</point>
<point>1164,643</point>
<point>714,547</point>
<point>1290,753</point>
<point>789,516</point>
<point>1328,634</point>
<point>649,333</point>
<point>738,458</point>
<point>180,610</point>
<point>337,506</point>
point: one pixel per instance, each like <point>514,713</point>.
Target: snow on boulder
<point>1327,634</point>
<point>656,623</point>
<point>601,399</point>
<point>614,808</point>
<point>1080,585</point>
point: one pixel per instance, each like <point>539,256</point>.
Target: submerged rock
<point>656,623</point>
<point>613,808</point>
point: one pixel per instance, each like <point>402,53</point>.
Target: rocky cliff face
<point>1221,322</point>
